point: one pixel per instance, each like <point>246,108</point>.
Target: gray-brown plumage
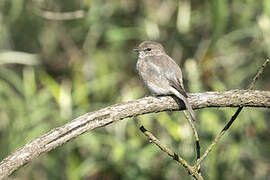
<point>160,73</point>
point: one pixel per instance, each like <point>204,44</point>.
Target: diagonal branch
<point>233,118</point>
<point>172,154</point>
<point>89,121</point>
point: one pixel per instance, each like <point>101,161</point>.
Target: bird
<point>160,73</point>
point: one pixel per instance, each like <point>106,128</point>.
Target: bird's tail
<point>184,99</point>
<point>189,108</point>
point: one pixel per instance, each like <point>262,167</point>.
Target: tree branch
<point>89,121</point>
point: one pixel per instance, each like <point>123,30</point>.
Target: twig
<point>228,125</point>
<point>103,117</point>
<point>197,140</point>
<point>172,154</point>
<point>251,86</point>
<point>195,132</point>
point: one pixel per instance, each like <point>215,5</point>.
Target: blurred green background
<point>52,71</point>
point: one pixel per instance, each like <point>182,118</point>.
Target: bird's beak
<point>136,49</point>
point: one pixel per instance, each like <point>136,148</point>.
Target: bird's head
<point>149,48</point>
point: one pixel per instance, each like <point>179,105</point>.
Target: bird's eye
<point>148,49</point>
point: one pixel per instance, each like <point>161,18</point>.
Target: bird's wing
<point>172,72</point>
<point>177,85</point>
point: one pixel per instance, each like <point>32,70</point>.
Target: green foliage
<point>53,71</point>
